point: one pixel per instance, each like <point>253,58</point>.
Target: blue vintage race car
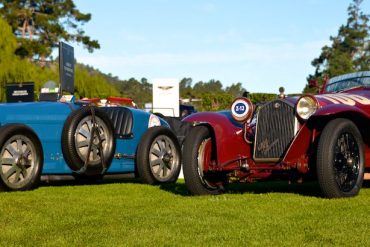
<point>79,138</point>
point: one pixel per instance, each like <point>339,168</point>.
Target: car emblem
<point>165,87</point>
<point>277,105</point>
<point>265,146</point>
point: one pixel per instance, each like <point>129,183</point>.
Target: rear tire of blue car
<point>21,158</point>
<point>78,138</point>
<point>158,156</point>
<point>198,153</point>
<point>340,159</point>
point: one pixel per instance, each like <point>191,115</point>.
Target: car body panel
<point>226,135</point>
<point>232,146</point>
<point>46,120</point>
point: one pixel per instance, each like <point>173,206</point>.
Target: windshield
<point>341,83</point>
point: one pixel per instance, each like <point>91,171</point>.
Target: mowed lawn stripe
<point>122,214</point>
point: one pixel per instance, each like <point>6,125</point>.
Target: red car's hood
<point>355,97</point>
<point>358,97</point>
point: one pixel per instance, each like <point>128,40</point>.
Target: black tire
<point>21,158</point>
<point>340,159</point>
<point>158,114</point>
<point>76,138</point>
<point>158,156</point>
<point>198,148</point>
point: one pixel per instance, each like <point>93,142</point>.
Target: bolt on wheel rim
<point>83,137</point>
<point>163,158</point>
<point>18,163</point>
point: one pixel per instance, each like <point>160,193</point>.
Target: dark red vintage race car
<point>325,135</point>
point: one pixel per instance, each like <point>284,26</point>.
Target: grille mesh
<point>275,130</point>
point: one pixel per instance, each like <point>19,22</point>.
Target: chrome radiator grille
<point>275,130</point>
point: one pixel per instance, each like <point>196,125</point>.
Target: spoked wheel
<point>197,158</point>
<point>21,158</point>
<point>340,159</point>
<point>346,162</point>
<point>158,156</point>
<point>88,142</point>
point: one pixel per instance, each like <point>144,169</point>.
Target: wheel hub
<point>96,141</point>
<point>166,158</point>
<point>21,162</point>
<point>349,162</point>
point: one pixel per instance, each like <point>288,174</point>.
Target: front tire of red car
<point>340,159</point>
<point>198,153</point>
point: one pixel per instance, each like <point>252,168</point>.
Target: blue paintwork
<point>227,113</point>
<point>47,119</point>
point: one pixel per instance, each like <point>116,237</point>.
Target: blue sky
<point>262,44</point>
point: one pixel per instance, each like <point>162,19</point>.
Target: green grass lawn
<point>124,212</point>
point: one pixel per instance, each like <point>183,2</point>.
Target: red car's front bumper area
<point>234,154</point>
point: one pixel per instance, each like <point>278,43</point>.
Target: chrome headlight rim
<point>306,106</point>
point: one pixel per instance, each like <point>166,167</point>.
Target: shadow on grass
<point>261,187</point>
<point>366,184</point>
<point>179,188</point>
<point>67,180</point>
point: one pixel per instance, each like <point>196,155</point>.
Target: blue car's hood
<point>34,112</point>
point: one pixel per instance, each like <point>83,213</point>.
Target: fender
<point>333,109</point>
<point>358,116</point>
<point>228,138</point>
<point>298,150</point>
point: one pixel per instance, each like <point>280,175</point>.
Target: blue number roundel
<point>240,108</point>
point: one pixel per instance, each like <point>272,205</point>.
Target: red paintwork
<point>230,144</point>
<point>111,100</point>
<point>234,153</point>
<point>89,101</point>
<point>298,151</point>
<point>121,101</point>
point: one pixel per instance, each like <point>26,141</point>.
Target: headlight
<point>154,121</point>
<point>242,109</point>
<point>306,106</point>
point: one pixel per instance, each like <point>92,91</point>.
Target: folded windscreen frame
<point>66,68</point>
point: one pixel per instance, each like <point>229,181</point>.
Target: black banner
<point>66,67</point>
<point>20,92</point>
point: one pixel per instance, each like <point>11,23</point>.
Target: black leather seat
<point>122,121</point>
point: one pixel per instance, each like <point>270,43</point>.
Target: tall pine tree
<point>39,25</point>
<point>349,50</point>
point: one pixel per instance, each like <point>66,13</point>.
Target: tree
<point>12,69</point>
<point>236,90</point>
<point>39,25</point>
<point>213,86</point>
<point>262,97</point>
<point>139,91</point>
<point>185,87</point>
<point>349,51</point>
<point>216,101</point>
